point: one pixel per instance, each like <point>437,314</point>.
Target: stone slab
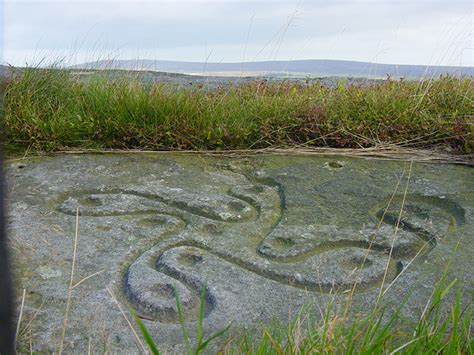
<point>263,236</point>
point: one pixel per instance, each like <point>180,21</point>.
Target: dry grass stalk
<point>395,233</point>
<point>128,322</point>
<point>354,287</point>
<point>87,278</point>
<point>387,152</point>
<point>71,283</point>
<point>21,315</point>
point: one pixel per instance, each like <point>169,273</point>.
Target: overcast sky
<point>384,31</point>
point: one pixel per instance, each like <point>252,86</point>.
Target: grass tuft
<point>52,109</point>
<point>436,331</point>
<point>443,327</point>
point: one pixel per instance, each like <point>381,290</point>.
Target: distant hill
<point>179,79</point>
<point>301,68</point>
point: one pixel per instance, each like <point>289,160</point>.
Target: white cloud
<point>417,32</point>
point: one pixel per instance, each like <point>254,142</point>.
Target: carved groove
<point>301,258</point>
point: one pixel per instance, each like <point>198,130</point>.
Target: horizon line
<point>275,61</point>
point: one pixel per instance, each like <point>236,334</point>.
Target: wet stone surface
<point>263,235</point>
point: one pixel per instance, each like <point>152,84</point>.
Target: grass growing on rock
<point>444,327</point>
<point>51,109</point>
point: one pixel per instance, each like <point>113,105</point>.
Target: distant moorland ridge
<point>313,67</point>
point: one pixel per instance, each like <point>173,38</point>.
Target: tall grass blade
<point>148,338</point>
<point>215,335</point>
<point>200,318</point>
<point>182,322</point>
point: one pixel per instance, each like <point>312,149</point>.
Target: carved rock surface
<point>261,236</point>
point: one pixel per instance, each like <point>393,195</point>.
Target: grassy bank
<point>444,327</point>
<point>49,110</point>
